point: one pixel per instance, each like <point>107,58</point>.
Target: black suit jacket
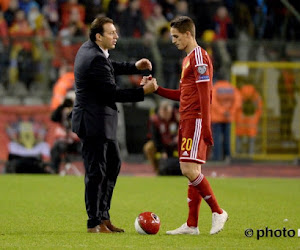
<point>95,112</point>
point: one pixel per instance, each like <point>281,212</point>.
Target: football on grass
<point>147,223</point>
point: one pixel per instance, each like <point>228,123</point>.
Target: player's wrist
<point>158,90</point>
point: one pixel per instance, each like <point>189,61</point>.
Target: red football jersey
<point>196,69</point>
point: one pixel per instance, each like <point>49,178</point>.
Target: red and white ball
<point>147,223</point>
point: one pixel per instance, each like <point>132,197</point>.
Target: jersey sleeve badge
<point>201,69</point>
<point>203,78</point>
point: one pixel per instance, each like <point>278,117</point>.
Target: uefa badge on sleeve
<point>202,69</point>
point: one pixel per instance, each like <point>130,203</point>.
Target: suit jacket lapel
<point>108,60</point>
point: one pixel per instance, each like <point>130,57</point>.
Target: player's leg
<point>199,181</point>
<point>193,199</point>
<point>202,185</point>
<point>192,154</point>
<point>219,216</point>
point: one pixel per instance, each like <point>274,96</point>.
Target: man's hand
<point>150,85</point>
<point>145,79</point>
<point>143,64</point>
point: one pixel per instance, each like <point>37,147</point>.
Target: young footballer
<point>195,136</point>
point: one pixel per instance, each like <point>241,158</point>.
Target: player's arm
<point>173,94</point>
<point>203,77</point>
<point>205,104</point>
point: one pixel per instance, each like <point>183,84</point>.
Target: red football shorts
<point>191,146</point>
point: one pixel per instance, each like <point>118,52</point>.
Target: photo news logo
<point>267,232</point>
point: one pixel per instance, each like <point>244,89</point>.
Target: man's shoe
<point>112,228</point>
<point>218,222</point>
<point>95,229</point>
<point>99,229</point>
<point>185,229</point>
<point>104,228</point>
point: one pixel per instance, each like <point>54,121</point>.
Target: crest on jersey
<point>187,64</point>
<point>201,69</point>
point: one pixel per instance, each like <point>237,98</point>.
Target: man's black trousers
<point>102,164</point>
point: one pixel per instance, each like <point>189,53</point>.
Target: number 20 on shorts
<point>186,144</point>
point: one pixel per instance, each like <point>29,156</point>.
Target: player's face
<point>179,39</point>
<point>110,36</point>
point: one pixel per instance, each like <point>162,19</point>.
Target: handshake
<point>149,84</point>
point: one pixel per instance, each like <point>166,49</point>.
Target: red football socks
<point>205,190</point>
<point>194,200</point>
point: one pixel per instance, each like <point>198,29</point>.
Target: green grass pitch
<point>48,212</point>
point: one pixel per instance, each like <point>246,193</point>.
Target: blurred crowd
<point>32,31</point>
<point>260,19</point>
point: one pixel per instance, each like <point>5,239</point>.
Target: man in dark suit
<point>95,117</point>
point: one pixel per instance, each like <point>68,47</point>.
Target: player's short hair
<point>97,26</point>
<point>184,24</point>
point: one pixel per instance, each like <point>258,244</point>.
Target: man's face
<point>109,37</point>
<point>179,39</point>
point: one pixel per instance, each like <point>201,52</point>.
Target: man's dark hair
<point>184,24</point>
<point>97,26</point>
